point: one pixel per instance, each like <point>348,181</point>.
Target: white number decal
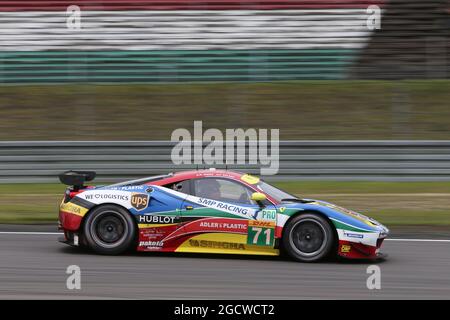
<point>267,232</point>
<point>258,232</point>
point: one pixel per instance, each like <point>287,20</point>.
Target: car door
<point>160,221</point>
<point>219,215</point>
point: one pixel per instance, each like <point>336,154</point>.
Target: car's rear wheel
<point>308,238</point>
<point>109,229</point>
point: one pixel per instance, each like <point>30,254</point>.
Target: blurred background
<point>319,70</point>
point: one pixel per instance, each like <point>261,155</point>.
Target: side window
<point>222,190</point>
<point>182,186</point>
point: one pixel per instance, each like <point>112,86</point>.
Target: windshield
<point>274,192</point>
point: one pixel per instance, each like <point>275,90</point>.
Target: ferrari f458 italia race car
<point>211,211</point>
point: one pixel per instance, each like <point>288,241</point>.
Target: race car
<point>211,211</point>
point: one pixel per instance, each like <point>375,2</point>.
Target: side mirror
<point>259,198</point>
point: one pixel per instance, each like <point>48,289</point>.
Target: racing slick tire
<point>308,238</point>
<point>109,230</point>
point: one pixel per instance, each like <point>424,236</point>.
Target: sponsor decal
<point>223,225</point>
<point>282,209</point>
<point>353,235</point>
<point>154,244</point>
<point>156,219</point>
<point>258,223</point>
<point>369,238</point>
<point>345,248</point>
<point>139,201</point>
<point>224,206</point>
<point>216,244</point>
<point>107,196</point>
<point>127,188</point>
<point>153,233</point>
<point>268,214</point>
<point>73,208</point>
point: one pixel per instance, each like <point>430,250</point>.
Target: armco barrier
<point>299,160</point>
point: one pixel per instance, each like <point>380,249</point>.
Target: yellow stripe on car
<point>74,209</point>
<point>230,243</point>
<point>155,225</point>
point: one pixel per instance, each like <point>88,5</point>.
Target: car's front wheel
<point>109,229</point>
<point>308,238</point>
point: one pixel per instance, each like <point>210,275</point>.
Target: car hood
<point>340,215</point>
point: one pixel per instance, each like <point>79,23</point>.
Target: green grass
<point>411,217</point>
<point>392,203</point>
<point>302,110</point>
<point>32,188</point>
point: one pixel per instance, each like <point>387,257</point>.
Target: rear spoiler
<point>76,178</point>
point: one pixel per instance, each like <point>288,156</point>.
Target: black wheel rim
<point>109,229</point>
<point>308,237</point>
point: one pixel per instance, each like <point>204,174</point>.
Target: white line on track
<point>420,240</point>
<point>31,233</point>
<point>60,233</point>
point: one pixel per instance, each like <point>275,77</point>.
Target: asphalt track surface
<point>33,266</point>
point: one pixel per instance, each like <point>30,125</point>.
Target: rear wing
<point>76,178</point>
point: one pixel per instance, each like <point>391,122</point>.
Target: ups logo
<point>139,201</point>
